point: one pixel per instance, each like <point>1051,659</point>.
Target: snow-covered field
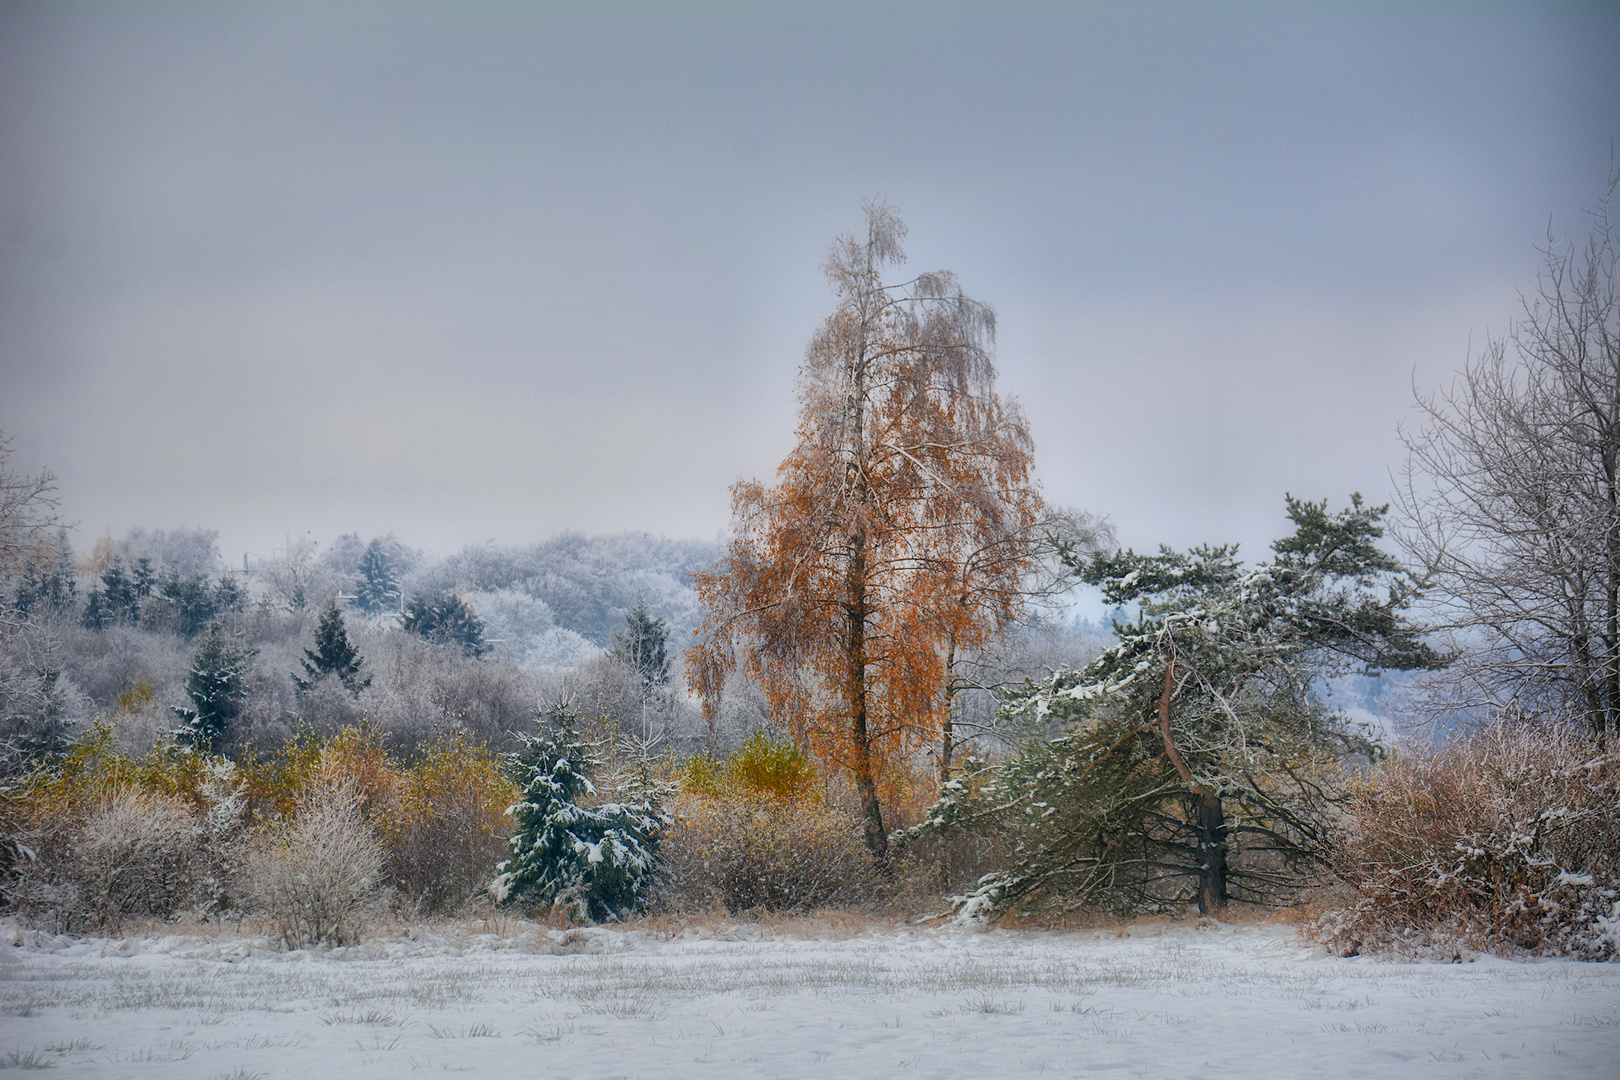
<point>1210,1001</point>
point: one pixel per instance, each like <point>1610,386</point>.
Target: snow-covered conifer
<point>1197,762</point>
<point>596,859</point>
<point>333,654</point>
<point>216,685</point>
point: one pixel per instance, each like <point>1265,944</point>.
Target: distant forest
<point>131,631</point>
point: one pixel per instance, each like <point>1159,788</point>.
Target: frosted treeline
<point>113,631</point>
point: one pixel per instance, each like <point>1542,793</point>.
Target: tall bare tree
<point>1511,496</point>
<point>899,528</point>
<point>27,509</point>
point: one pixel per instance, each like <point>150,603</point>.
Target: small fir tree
<point>643,644</point>
<point>48,579</point>
<point>216,686</point>
<point>192,601</point>
<point>447,620</point>
<point>596,860</point>
<point>333,654</point>
<point>377,589</point>
<point>118,600</point>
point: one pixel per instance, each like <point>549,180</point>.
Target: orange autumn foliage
<point>898,534</point>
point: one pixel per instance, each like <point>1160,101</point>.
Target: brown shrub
<point>741,853</point>
<point>133,854</point>
<point>451,829</point>
<point>1507,840</point>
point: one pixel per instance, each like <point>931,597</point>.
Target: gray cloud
<point>465,271</point>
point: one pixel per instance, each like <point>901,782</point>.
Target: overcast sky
<point>466,271</point>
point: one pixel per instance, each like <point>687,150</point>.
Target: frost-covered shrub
<point>418,692</point>
<point>752,831</point>
<point>744,852</point>
<point>135,854</point>
<point>1507,840</point>
<point>320,877</point>
<point>224,806</point>
<point>451,828</point>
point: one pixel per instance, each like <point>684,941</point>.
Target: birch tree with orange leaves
<point>899,532</point>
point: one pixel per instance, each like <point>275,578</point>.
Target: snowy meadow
<point>741,1000</point>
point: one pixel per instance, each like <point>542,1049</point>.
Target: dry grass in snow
<point>750,1000</point>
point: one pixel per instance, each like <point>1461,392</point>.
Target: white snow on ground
<point>1210,1001</point>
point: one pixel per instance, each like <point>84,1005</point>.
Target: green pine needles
<point>593,858</point>
<point>1194,760</point>
<point>333,654</point>
<point>216,686</point>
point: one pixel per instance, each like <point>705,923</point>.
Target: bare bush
<point>136,854</point>
<point>1506,841</point>
<point>321,877</point>
<point>452,827</point>
<point>747,853</point>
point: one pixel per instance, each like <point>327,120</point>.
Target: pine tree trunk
<point>1211,854</point>
<point>1209,820</point>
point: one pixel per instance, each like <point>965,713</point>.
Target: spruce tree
<point>216,686</point>
<point>333,654</point>
<point>118,600</point>
<point>446,619</point>
<point>49,585</point>
<point>643,644</point>
<point>377,589</point>
<point>594,859</point>
<point>192,600</point>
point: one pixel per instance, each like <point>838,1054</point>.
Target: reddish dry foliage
<point>898,534</point>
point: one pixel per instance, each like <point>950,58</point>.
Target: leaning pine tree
<point>594,860</point>
<point>1195,759</point>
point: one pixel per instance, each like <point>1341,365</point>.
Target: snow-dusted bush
<point>752,832</point>
<point>419,691</point>
<point>1507,840</point>
<point>134,854</point>
<point>321,877</point>
<point>558,650</point>
<point>743,853</point>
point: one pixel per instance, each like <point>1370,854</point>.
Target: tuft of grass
<point>380,1017</point>
<point>984,1003</point>
<point>476,1031</point>
<point>81,1043</point>
<point>26,1059</point>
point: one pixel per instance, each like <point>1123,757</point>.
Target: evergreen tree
<point>216,685</point>
<point>142,577</point>
<point>50,582</point>
<point>1196,760</point>
<point>118,600</point>
<point>643,645</point>
<point>446,619</point>
<point>193,602</point>
<point>333,654</point>
<point>229,594</point>
<point>377,589</point>
<point>596,859</point>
